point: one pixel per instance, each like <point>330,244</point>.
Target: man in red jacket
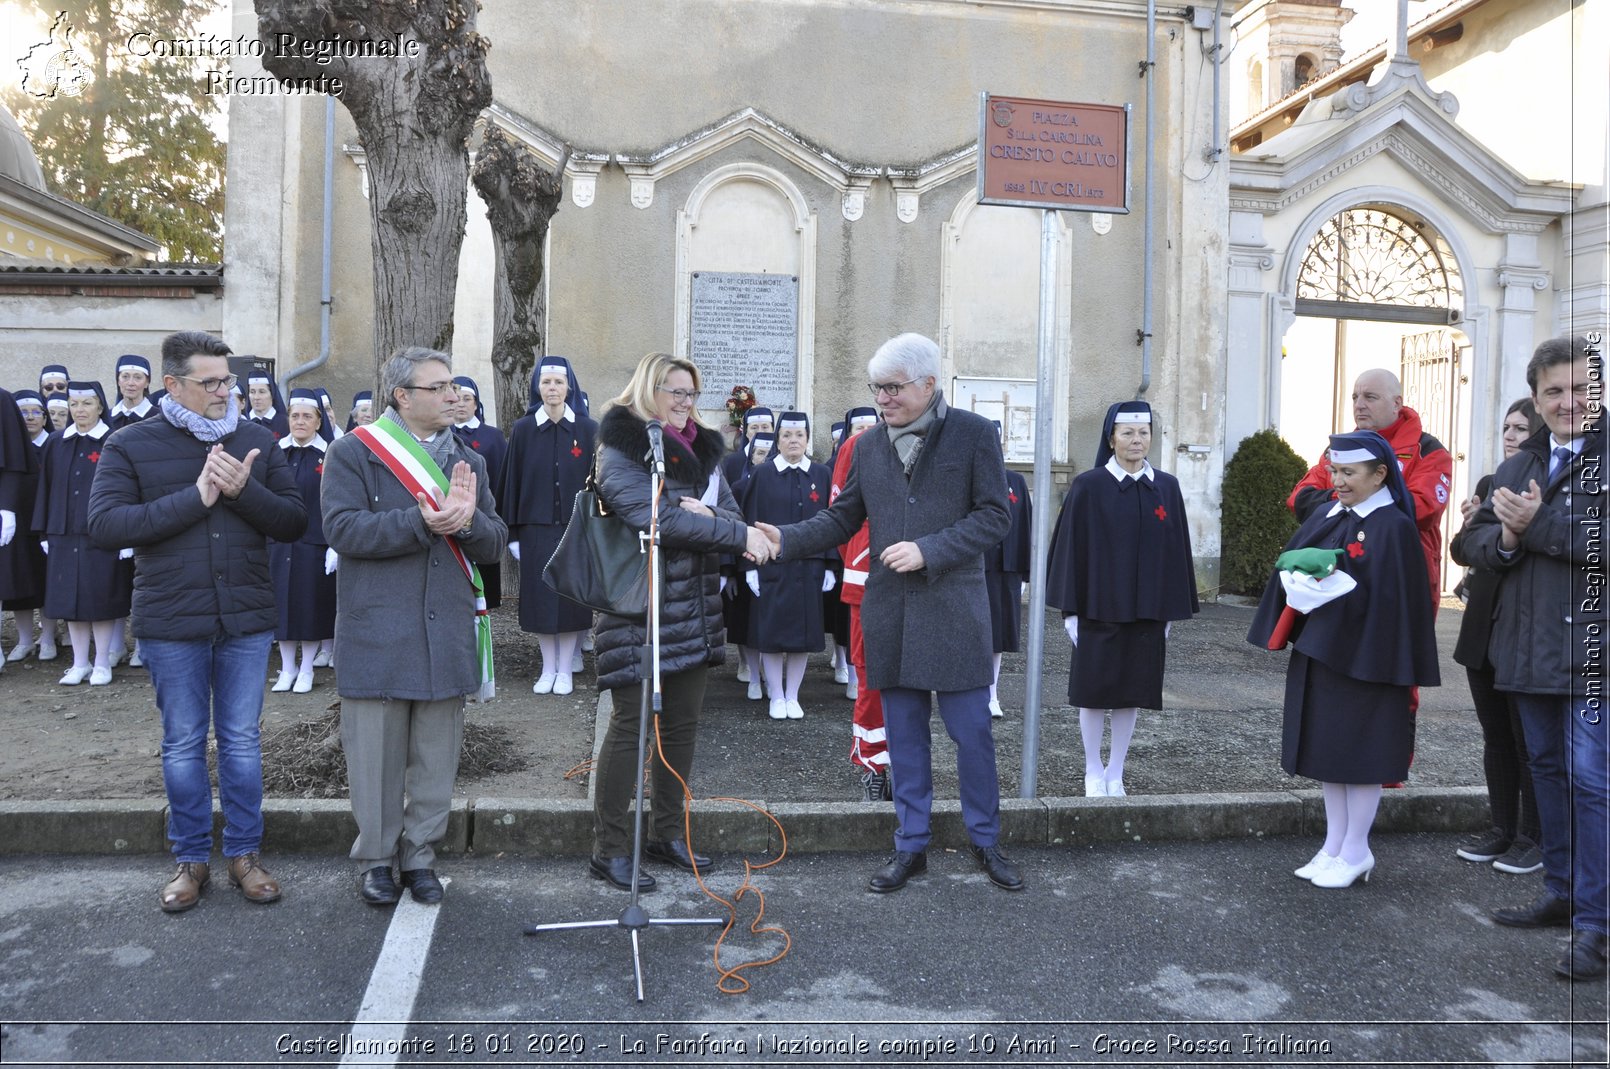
<point>1427,468</point>
<point>869,747</point>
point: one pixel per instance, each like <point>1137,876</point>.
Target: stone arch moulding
<point>1473,316</point>
<point>804,219</point>
<point>950,237</point>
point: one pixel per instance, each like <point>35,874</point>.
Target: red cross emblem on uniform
<point>1161,513</point>
<point>94,458</point>
<point>575,449</point>
<point>319,468</point>
<point>475,444</point>
<point>1011,495</point>
<point>814,495</point>
<point>1355,550</point>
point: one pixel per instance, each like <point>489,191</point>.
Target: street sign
<point>1051,154</point>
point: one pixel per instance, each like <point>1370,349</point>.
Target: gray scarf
<point>204,429</point>
<point>443,448</point>
<point>907,440</point>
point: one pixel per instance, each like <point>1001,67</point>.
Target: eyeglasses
<point>438,389</point>
<point>681,396</point>
<point>212,385</point>
<point>891,388</point>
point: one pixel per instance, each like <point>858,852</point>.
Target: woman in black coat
<point>1511,842</point>
<point>1356,657</point>
<point>785,618</point>
<point>1006,569</point>
<point>550,452</point>
<point>739,601</point>
<point>87,586</point>
<point>698,521</point>
<point>264,404</point>
<point>1121,572</point>
<point>472,429</point>
<point>22,562</point>
<point>303,571</point>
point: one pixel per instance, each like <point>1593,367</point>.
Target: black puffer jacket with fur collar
<point>691,628</point>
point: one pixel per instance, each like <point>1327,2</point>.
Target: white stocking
<point>772,665</point>
<point>1092,722</point>
<point>1123,729</point>
<point>794,674</point>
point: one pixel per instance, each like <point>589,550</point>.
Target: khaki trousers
<point>402,758</point>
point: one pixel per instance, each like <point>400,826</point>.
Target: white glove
<point>1071,624</point>
<point>827,582</point>
<point>514,550</point>
<point>8,526</point>
<point>44,545</point>
<point>723,587</point>
<point>753,579</point>
<point>331,559</point>
<point>124,554</point>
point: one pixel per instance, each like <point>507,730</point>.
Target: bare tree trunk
<point>521,198</point>
<point>414,107</point>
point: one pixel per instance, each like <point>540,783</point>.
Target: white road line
<point>388,1004</point>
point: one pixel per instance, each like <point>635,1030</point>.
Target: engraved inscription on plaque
<point>744,330</point>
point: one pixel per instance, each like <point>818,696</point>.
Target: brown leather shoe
<point>247,873</point>
<point>184,890</point>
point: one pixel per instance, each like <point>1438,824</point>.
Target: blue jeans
<point>216,681</point>
<point>1590,800</point>
<point>1566,748</point>
<point>906,715</point>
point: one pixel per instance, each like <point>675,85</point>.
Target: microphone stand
<point>634,918</point>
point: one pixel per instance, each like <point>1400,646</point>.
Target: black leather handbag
<point>599,562</point>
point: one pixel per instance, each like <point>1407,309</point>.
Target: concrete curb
<point>492,826</point>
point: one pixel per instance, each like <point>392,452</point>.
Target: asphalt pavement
<point>1156,953</point>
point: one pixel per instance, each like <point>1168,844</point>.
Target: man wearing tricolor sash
<point>410,511</point>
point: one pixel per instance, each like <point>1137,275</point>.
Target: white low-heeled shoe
<point>578,663</point>
<point>100,677</point>
<point>1095,787</point>
<point>282,682</point>
<point>852,690</point>
<point>1115,788</point>
<point>995,710</point>
<point>743,671</point>
<point>562,683</point>
<point>754,693</point>
<point>544,684</point>
<point>321,659</point>
<point>74,676</point>
<point>841,674</point>
<point>19,652</point>
<point>1341,874</point>
<point>303,684</point>
<point>795,710</point>
<point>778,710</point>
<point>47,651</point>
<point>1318,863</point>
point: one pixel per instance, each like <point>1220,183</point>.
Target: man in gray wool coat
<point>931,481</point>
<point>406,624</point>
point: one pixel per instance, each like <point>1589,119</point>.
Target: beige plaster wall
<point>88,334</point>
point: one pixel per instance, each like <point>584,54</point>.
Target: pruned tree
<point>521,198</point>
<point>415,105</point>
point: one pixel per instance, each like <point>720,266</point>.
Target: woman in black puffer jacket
<point>698,521</point>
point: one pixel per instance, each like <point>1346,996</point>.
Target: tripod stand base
<point>633,919</point>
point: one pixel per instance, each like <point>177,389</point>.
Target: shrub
<point>1255,523</point>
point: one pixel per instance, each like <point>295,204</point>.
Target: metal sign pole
<point>1044,400</point>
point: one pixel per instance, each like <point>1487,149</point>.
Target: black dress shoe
<point>617,871</point>
<point>1546,911</point>
<point>893,876</point>
<point>423,885</point>
<point>1001,870</point>
<point>1586,958</point>
<point>675,852</point>
<point>378,888</point>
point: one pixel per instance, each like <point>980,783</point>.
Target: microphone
<point>656,447</point>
